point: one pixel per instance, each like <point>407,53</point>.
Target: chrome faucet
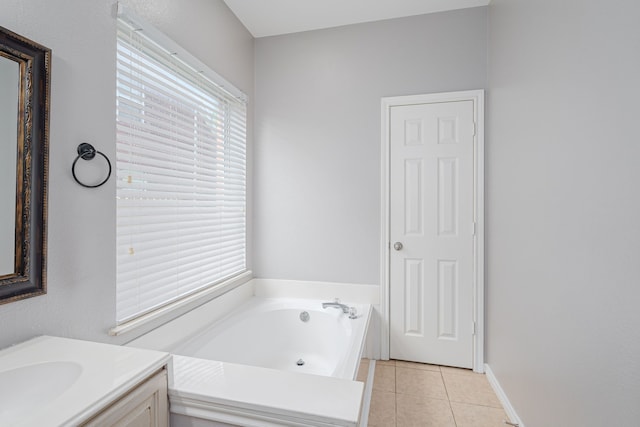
<point>336,304</point>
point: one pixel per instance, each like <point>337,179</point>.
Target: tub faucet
<point>336,304</point>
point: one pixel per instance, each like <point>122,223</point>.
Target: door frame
<point>477,96</point>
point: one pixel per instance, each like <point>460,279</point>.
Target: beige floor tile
<point>385,378</point>
<point>415,411</point>
<point>459,371</point>
<point>363,370</point>
<point>426,384</point>
<point>382,412</point>
<point>477,416</point>
<point>386,362</point>
<point>413,365</point>
<point>473,389</point>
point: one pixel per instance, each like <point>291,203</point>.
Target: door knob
<point>397,246</point>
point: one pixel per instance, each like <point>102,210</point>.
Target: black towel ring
<point>87,152</point>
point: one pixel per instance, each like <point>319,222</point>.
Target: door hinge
<point>473,328</point>
<point>474,227</point>
<point>475,128</point>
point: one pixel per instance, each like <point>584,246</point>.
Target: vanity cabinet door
<point>144,406</point>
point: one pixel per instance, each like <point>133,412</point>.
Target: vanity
<point>52,381</point>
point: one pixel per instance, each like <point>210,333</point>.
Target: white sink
<point>51,381</point>
<point>27,387</point>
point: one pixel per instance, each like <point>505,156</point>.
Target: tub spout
<point>344,308</point>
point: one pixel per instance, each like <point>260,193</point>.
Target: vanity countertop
<point>52,381</point>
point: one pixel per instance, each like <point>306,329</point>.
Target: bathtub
<point>294,335</point>
<point>262,365</point>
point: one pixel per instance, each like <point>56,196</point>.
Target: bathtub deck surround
<point>253,358</point>
<point>51,381</point>
<point>258,397</point>
<point>273,361</point>
<point>167,336</point>
<point>170,334</point>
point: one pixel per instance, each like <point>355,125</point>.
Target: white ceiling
<point>272,17</point>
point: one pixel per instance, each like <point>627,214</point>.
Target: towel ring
<point>87,152</point>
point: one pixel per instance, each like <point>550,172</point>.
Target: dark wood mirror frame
<point>29,276</point>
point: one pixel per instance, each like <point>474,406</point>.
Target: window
<point>181,176</point>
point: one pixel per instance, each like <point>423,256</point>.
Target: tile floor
<point>413,394</point>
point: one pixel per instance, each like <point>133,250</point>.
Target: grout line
<point>368,391</point>
<point>478,404</point>
<point>395,381</point>
<point>448,398</point>
<point>425,396</point>
<point>445,387</point>
<point>417,369</point>
<point>462,374</point>
<point>395,394</point>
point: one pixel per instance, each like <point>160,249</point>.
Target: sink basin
<point>27,387</point>
<point>54,381</point>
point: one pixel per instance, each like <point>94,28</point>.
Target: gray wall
<point>82,35</point>
<point>317,134</point>
<point>563,204</point>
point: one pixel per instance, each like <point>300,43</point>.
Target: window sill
<point>195,299</point>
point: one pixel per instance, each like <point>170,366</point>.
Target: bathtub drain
<point>300,362</point>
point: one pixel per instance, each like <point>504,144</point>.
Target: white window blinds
<point>181,177</point>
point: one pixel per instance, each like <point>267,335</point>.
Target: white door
<point>432,233</point>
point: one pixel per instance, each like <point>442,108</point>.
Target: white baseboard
<point>508,408</point>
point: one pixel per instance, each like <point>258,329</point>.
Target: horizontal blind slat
<point>181,178</point>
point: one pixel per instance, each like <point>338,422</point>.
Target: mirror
<point>24,146</point>
<point>9,78</point>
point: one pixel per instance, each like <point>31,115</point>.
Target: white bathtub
<point>235,358</point>
<point>269,333</point>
